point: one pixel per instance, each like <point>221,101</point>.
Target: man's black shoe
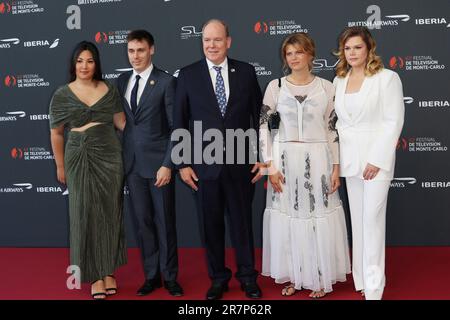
<point>251,290</point>
<point>216,291</point>
<point>174,288</point>
<point>149,286</point>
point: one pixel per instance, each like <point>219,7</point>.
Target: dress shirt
<point>223,71</point>
<point>142,82</point>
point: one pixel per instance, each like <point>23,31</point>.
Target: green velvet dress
<point>94,176</point>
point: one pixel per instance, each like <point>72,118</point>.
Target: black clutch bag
<point>274,121</point>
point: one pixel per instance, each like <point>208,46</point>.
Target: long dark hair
<point>80,47</point>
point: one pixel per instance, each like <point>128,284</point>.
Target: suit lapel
<point>233,83</point>
<point>209,87</point>
<point>123,89</point>
<point>341,94</point>
<point>149,86</point>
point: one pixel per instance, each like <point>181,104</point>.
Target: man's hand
<point>188,176</point>
<point>262,171</point>
<point>163,176</point>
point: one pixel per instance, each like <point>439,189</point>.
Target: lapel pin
<point>152,82</point>
<point>233,70</point>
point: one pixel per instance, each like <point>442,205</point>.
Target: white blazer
<point>370,135</point>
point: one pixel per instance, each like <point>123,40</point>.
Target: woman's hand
<point>61,175</point>
<point>335,180</point>
<point>370,172</point>
<point>276,180</point>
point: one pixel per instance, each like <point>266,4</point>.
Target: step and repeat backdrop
<point>37,37</point>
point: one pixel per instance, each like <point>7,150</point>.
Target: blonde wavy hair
<point>374,63</point>
<point>304,41</point>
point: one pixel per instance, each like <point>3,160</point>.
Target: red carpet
<point>39,273</point>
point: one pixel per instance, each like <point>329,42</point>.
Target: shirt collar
<point>144,74</point>
<point>224,64</point>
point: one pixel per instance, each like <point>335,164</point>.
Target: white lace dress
<point>304,231</point>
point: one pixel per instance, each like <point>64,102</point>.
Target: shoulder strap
<point>279,89</point>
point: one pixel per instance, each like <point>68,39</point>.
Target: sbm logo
<point>190,30</point>
<point>323,63</point>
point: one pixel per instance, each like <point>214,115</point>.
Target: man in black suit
<point>148,104</point>
<point>222,94</point>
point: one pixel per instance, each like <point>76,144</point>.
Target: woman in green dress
<point>86,112</point>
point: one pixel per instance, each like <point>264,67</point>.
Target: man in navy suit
<point>148,104</point>
<point>222,94</point>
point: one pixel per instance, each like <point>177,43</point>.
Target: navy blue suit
<point>147,147</point>
<point>222,187</point>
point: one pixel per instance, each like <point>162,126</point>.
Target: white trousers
<point>367,200</point>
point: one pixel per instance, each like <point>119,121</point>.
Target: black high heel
<point>98,295</point>
<point>108,290</point>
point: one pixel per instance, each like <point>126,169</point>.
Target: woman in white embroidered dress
<point>304,232</point>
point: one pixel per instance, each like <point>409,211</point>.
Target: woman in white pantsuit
<point>370,109</point>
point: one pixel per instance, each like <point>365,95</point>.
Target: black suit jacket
<point>195,100</point>
<point>146,137</point>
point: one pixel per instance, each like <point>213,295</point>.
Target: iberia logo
<point>5,7</point>
<point>10,81</point>
<point>397,62</point>
<point>16,153</point>
<point>261,27</point>
<point>101,37</point>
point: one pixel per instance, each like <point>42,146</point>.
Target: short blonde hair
<point>374,63</point>
<point>302,40</point>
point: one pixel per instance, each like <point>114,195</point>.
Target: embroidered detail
<point>312,200</point>
<point>264,114</point>
<point>325,190</point>
<point>307,167</point>
<point>296,195</point>
<point>308,185</point>
<point>301,98</point>
<point>262,144</point>
<point>332,124</point>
